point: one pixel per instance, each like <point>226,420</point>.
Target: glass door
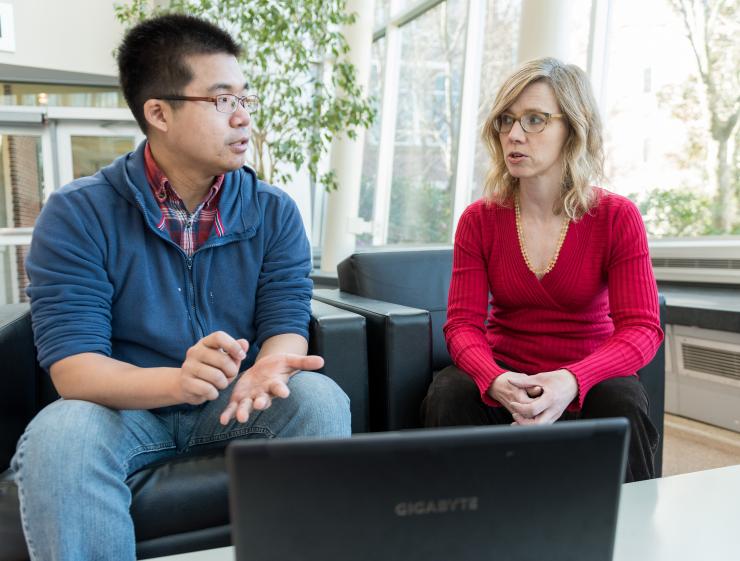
<point>25,172</point>
<point>85,148</point>
<point>36,160</point>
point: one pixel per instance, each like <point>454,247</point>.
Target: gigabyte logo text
<point>436,506</point>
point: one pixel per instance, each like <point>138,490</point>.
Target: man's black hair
<point>151,58</point>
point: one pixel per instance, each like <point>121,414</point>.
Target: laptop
<point>453,494</point>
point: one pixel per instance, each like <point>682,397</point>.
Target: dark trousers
<point>453,399</point>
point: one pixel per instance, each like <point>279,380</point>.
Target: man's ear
<point>157,114</point>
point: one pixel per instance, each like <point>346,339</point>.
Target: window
<point>411,154</point>
<point>427,125</point>
<point>21,197</point>
<point>372,143</point>
<point>55,95</point>
<point>660,148</point>
<point>499,55</point>
<point>91,153</point>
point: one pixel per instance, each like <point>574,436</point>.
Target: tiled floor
<point>694,446</point>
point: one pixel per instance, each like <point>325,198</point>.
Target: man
<point>154,283</point>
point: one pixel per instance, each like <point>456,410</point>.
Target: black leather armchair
<point>180,505</point>
<point>402,293</point>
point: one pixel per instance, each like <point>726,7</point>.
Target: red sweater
<point>595,313</point>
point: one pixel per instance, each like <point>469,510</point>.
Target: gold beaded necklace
<point>522,246</point>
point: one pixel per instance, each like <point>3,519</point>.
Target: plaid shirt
<point>188,230</point>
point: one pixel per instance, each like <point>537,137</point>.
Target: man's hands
<point>536,399</point>
<point>265,380</point>
<point>213,363</point>
<point>210,365</point>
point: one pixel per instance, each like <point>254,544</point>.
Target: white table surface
<point>690,517</point>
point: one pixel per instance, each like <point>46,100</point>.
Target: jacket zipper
<point>197,326</point>
<point>198,330</point>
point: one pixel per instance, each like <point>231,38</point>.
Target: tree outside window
<point>672,114</point>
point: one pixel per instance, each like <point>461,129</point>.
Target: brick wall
<point>25,194</point>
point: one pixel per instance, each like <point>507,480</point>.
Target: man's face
<point>203,139</point>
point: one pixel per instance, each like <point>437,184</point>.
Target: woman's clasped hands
<point>535,399</point>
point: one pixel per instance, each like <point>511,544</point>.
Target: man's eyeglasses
<point>225,103</point>
<point>533,121</point>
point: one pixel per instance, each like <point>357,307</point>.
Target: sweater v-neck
<point>543,286</point>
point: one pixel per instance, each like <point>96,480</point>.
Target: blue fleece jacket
<point>104,279</point>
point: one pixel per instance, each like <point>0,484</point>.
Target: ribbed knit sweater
<point>595,313</point>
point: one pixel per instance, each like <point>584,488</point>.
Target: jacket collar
<point>239,206</point>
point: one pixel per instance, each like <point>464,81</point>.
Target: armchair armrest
<point>339,336</point>
<point>19,391</point>
<point>399,343</point>
<point>652,376</point>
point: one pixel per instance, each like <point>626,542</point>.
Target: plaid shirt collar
<point>189,230</point>
<point>162,188</point>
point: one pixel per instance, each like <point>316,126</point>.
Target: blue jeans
<point>72,461</point>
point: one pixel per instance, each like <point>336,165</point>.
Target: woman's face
<point>535,155</point>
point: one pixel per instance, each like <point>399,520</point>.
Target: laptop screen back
<point>455,494</point>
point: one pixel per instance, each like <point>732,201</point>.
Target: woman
<point>574,306</point>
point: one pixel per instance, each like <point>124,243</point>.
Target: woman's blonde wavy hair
<point>583,153</point>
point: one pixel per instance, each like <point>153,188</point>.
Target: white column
<point>544,29</point>
<point>598,50</point>
<point>346,154</point>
